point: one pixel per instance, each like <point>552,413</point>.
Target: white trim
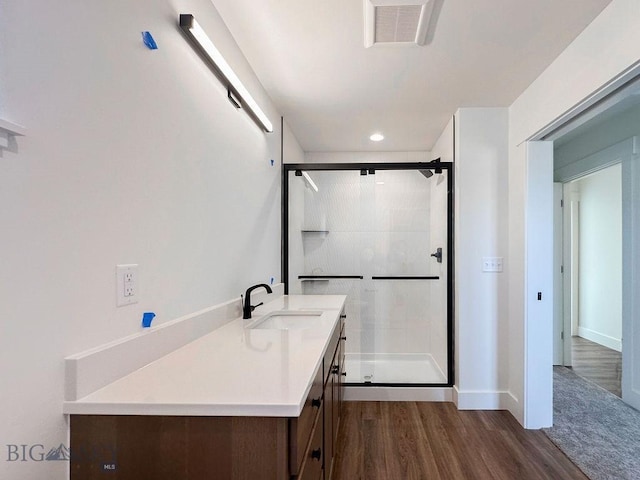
<point>607,157</point>
<point>485,400</point>
<point>600,338</point>
<point>398,394</point>
<point>538,321</point>
<point>620,80</point>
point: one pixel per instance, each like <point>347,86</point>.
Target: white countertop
<point>232,371</point>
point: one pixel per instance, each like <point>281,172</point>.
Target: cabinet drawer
<point>312,466</point>
<point>300,428</point>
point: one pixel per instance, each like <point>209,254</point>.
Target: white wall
<point>480,231</point>
<point>366,157</point>
<point>600,240</point>
<point>131,156</point>
<point>602,52</point>
<point>291,150</point>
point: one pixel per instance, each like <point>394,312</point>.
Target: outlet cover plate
<point>126,284</point>
<point>492,264</point>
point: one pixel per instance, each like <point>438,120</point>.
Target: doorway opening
<point>596,329</point>
<point>589,255</point>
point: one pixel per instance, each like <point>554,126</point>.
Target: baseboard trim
<point>398,394</point>
<point>491,400</point>
<point>600,339</point>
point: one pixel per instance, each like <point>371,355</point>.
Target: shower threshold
<point>390,368</point>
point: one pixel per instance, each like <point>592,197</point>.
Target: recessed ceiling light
<point>376,137</point>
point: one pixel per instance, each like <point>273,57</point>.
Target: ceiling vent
<point>397,22</point>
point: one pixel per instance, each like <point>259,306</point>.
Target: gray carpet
<point>594,428</point>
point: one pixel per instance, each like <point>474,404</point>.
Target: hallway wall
<point>600,254</point>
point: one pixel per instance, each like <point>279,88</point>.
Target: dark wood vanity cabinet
<point>333,399</point>
<point>138,447</point>
<point>324,434</point>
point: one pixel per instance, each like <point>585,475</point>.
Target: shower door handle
<point>438,254</point>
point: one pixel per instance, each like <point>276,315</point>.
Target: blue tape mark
<point>147,318</point>
<point>273,162</point>
<point>272,280</point>
<point>149,41</point>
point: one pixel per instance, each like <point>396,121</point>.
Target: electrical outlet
<point>492,264</point>
<point>126,284</point>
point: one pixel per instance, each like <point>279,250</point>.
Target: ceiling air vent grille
<point>402,22</point>
<point>397,24</point>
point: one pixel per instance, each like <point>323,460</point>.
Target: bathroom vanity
<point>242,402</point>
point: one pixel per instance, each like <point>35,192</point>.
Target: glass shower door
<point>404,334</point>
<point>381,239</point>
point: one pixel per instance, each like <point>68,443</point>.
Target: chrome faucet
<point>247,308</point>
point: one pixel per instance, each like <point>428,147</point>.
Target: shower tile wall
<point>377,225</point>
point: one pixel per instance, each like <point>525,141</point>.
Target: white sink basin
<point>285,320</point>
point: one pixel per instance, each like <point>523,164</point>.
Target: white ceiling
<point>333,92</point>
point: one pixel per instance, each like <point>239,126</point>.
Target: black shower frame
<point>434,165</point>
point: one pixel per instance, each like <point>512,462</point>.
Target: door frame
<point>433,165</point>
<point>626,153</point>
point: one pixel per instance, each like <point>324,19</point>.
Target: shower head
<point>427,173</point>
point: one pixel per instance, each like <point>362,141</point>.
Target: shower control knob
<point>343,338</point>
<point>315,402</point>
<point>344,374</point>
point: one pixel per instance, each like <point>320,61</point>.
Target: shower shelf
<point>314,231</point>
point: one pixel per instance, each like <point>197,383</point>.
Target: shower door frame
<point>433,165</point>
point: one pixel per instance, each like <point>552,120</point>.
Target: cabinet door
<point>328,424</point>
<point>341,366</point>
<point>314,458</point>
<point>336,397</point>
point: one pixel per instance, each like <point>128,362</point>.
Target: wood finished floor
<point>599,364</point>
<point>420,440</point>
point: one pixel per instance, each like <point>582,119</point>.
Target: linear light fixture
<point>236,89</point>
<point>311,183</point>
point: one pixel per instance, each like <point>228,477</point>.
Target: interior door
<point>558,290</point>
<point>630,281</point>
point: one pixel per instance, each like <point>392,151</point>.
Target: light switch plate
<point>492,264</point>
<point>126,284</point>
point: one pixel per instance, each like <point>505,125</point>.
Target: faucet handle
<point>253,307</point>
